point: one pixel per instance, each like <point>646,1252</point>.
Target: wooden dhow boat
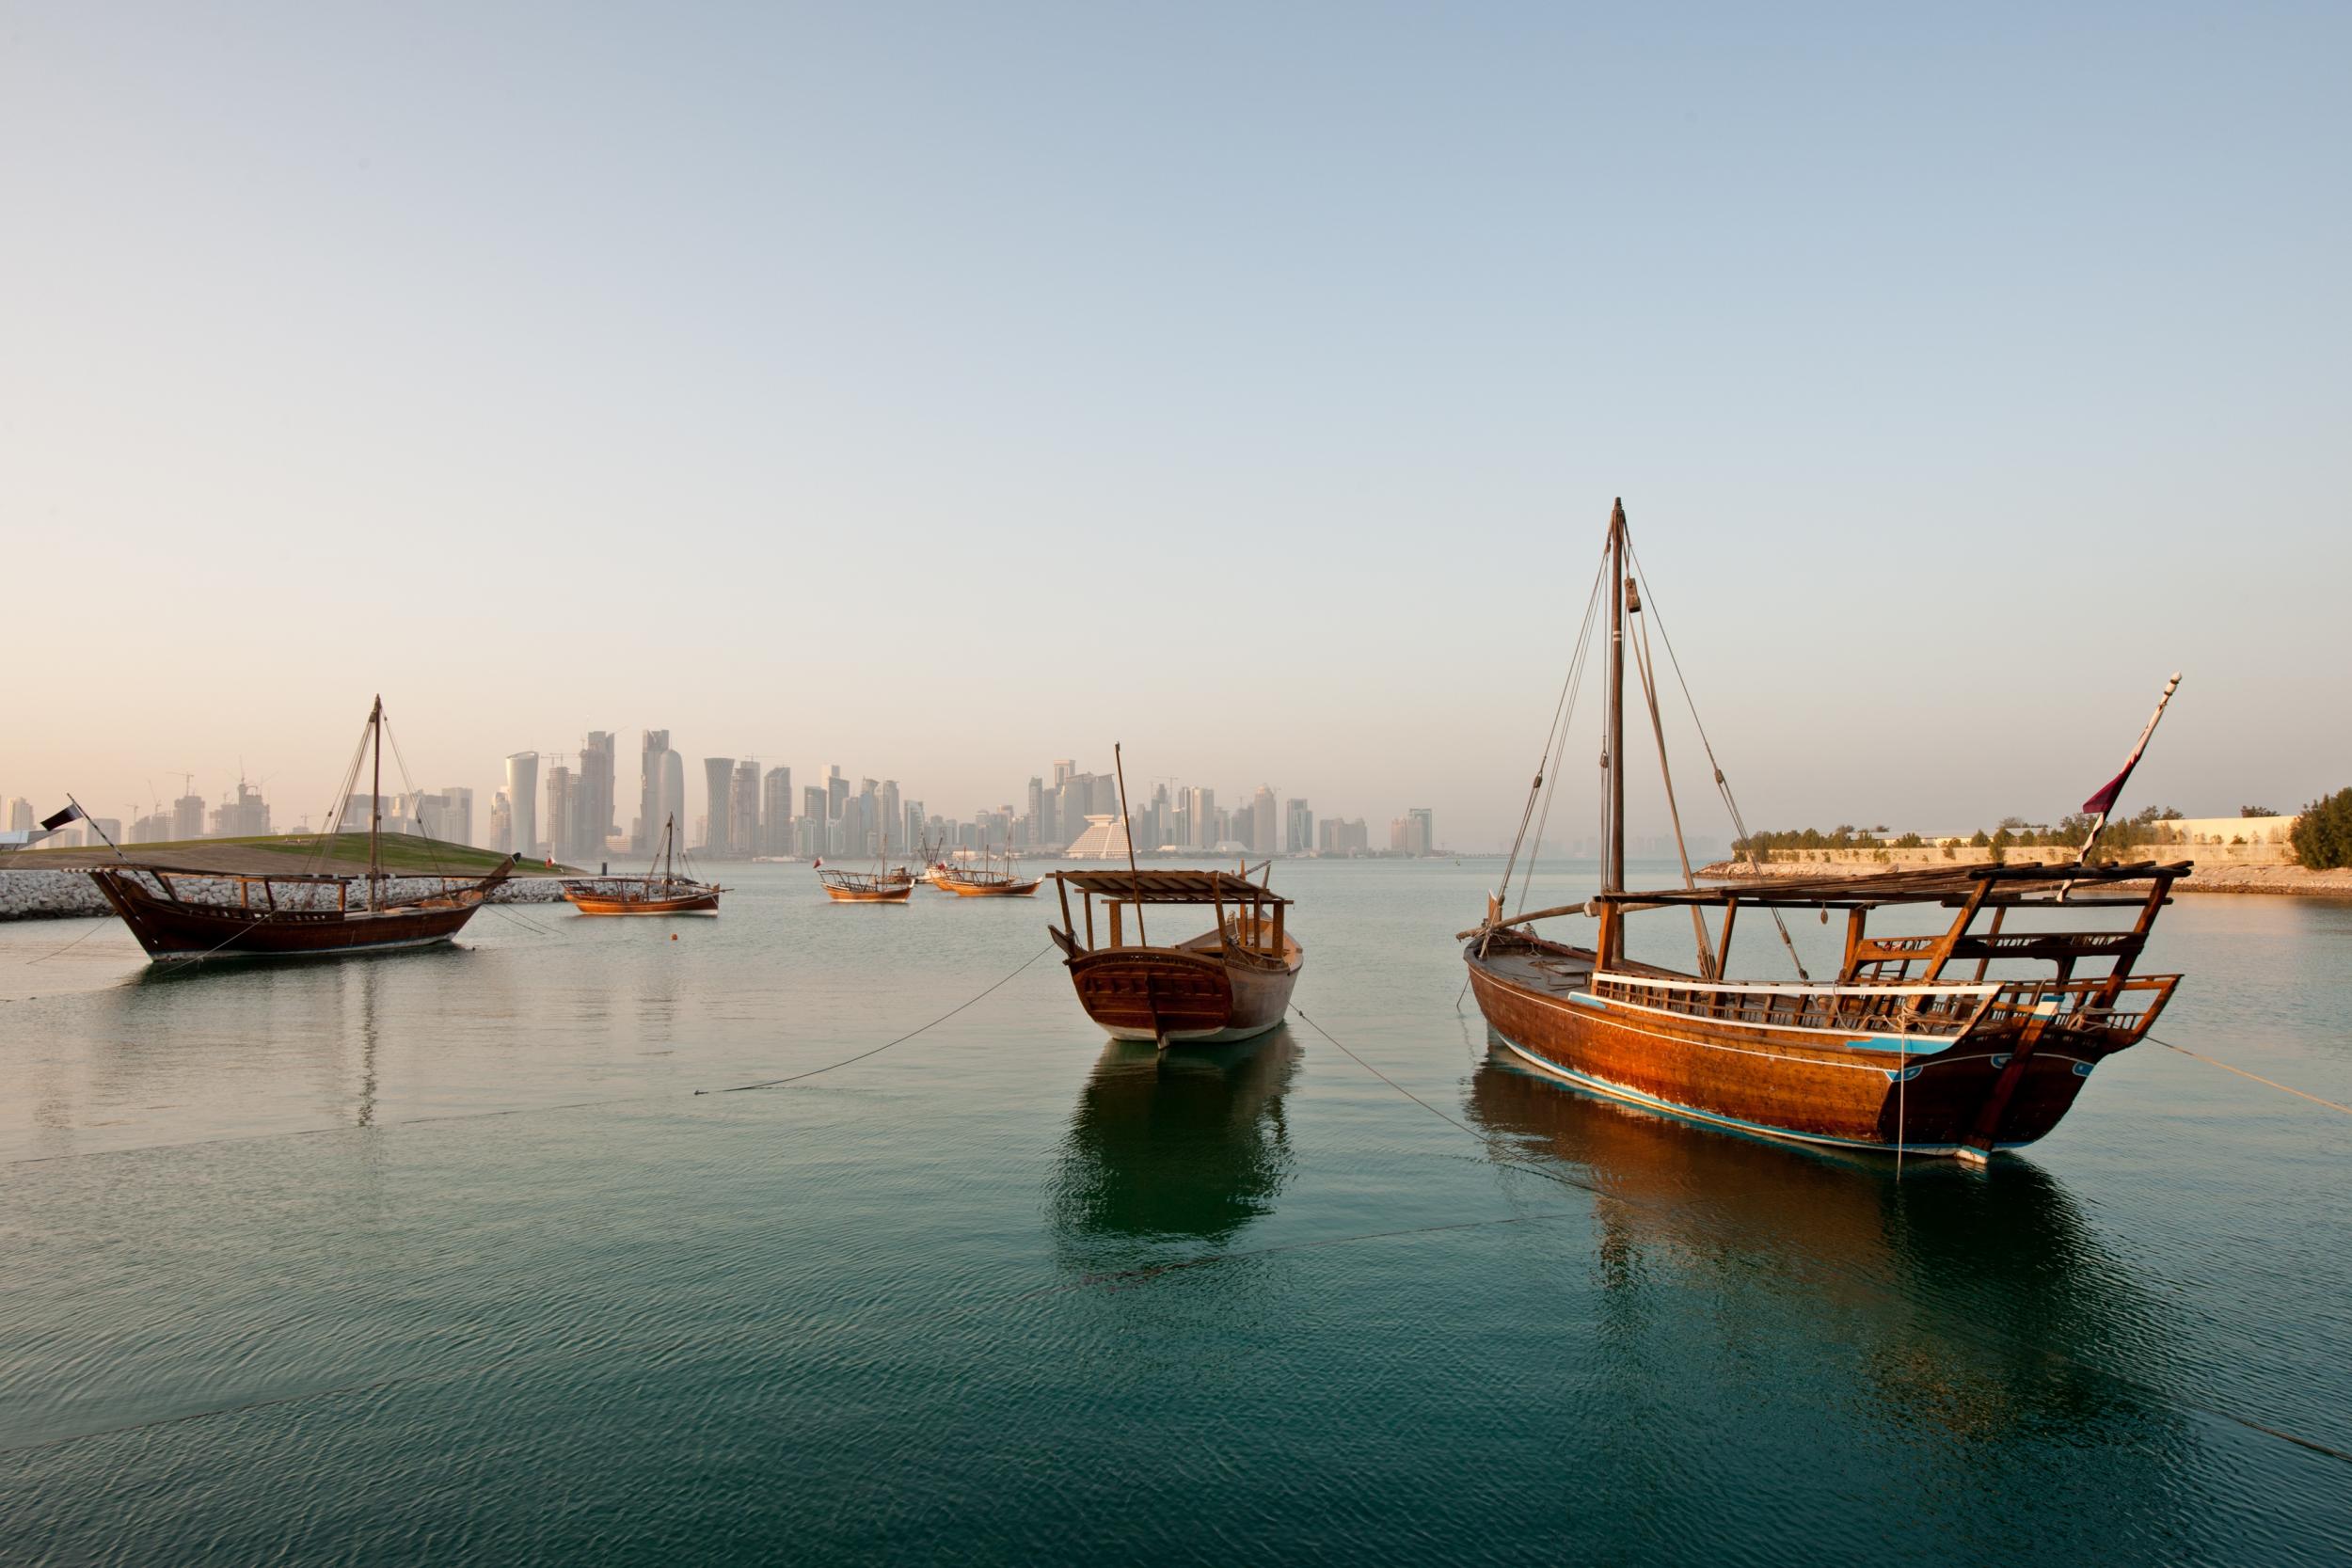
<point>664,894</point>
<point>1229,983</point>
<point>293,914</point>
<point>985,880</point>
<point>884,884</point>
<point>1915,1045</point>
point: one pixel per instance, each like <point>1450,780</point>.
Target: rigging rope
<point>1723,783</point>
<point>1554,738</point>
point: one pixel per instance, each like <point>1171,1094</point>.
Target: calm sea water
<point>440,1257</point>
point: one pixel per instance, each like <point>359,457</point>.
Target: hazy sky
<point>938,391</point>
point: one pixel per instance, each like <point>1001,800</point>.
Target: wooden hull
<point>869,895</point>
<point>1171,994</point>
<point>984,890</point>
<point>597,903</point>
<point>1845,1088</point>
<point>174,930</point>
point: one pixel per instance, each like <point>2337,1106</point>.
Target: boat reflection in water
<point>1949,1304</point>
<point>1183,1144</point>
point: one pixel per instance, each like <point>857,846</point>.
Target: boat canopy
<point>1950,885</point>
<point>1171,887</point>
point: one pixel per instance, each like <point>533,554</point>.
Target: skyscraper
<point>502,824</point>
<point>563,802</point>
<point>775,813</point>
<point>1264,824</point>
<point>522,800</point>
<point>591,817</point>
<point>743,809</point>
<point>671,798</point>
<point>449,817</point>
<point>1298,830</point>
<point>717,780</point>
<point>652,748</point>
<point>1201,806</point>
<point>21,816</point>
<point>891,817</point>
<point>1420,830</point>
<point>836,792</point>
<point>188,816</point>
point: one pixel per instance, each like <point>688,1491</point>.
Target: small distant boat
<point>884,884</point>
<point>984,880</point>
<point>666,894</point>
<point>295,918</point>
<point>1231,982</point>
<point>1913,1045</point>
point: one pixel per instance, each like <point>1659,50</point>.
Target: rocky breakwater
<point>71,895</point>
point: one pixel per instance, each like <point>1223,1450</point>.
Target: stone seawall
<point>69,895</point>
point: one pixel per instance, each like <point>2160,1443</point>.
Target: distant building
<point>1201,811</point>
<point>21,816</point>
<point>244,815</point>
<point>1338,836</point>
<point>188,816</point>
<point>522,802</point>
<point>717,781</point>
<point>154,827</point>
<point>1299,828</point>
<point>672,798</point>
<point>653,747</point>
<point>837,793</point>
<point>775,813</point>
<point>1105,839</point>
<point>502,824</point>
<point>1265,822</point>
<point>1415,832</point>
<point>592,816</point>
<point>743,809</point>
<point>563,809</point>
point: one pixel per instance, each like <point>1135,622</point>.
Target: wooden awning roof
<point>1932,885</point>
<point>1171,887</point>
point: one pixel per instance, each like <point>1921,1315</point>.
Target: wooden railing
<point>1894,1009</point>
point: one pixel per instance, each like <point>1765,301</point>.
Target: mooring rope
<point>778,1082</point>
<point>2255,1076</point>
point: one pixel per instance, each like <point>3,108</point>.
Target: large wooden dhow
<point>182,914</point>
<point>1916,1044</point>
<point>1231,982</point>
<point>659,891</point>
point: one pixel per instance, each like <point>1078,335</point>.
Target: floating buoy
<point>674,936</point>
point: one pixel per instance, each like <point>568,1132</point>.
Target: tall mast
<point>376,807</point>
<point>1612,864</point>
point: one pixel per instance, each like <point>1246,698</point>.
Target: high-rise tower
<point>651,750</point>
<point>522,800</point>
<point>717,781</point>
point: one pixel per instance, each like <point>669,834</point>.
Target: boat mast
<point>376,808</point>
<point>1612,755</point>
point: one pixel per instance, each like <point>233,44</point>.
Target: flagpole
<point>2108,795</point>
<point>96,829</point>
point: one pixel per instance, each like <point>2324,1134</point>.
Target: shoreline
<point>2291,881</point>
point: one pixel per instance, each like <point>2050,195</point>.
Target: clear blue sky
<point>1259,377</point>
